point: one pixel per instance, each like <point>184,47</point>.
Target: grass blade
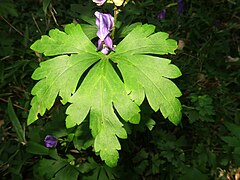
<point>15,122</point>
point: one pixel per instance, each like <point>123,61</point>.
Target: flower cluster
<point>105,23</point>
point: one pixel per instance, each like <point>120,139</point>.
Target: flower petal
<point>105,50</point>
<point>105,23</point>
<point>162,14</point>
<point>99,2</point>
<point>100,44</point>
<point>109,43</point>
<point>180,7</point>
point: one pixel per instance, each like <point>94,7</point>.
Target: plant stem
<point>116,12</point>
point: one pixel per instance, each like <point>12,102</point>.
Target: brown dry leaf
<point>181,44</point>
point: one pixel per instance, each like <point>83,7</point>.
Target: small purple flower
<point>180,6</point>
<point>99,2</point>
<point>105,23</point>
<point>162,14</point>
<point>50,141</point>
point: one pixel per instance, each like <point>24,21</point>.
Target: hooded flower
<point>162,14</point>
<point>105,23</point>
<point>50,141</point>
<point>180,6</point>
<point>99,2</point>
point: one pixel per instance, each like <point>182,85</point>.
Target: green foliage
<point>203,110</point>
<point>102,88</point>
<point>7,7</point>
<point>233,141</point>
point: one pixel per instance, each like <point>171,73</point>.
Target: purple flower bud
<point>180,7</point>
<point>105,45</point>
<point>50,141</point>
<point>99,2</point>
<point>162,14</point>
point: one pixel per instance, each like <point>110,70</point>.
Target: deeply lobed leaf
<point>100,91</point>
<point>102,94</point>
<point>145,74</point>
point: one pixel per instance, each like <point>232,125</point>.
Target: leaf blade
<point>99,98</point>
<point>15,122</point>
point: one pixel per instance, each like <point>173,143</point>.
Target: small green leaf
<point>233,128</point>
<point>192,173</point>
<point>69,172</point>
<point>42,170</point>
<point>45,5</point>
<point>231,140</point>
<point>35,148</point>
<point>150,124</point>
<point>15,122</point>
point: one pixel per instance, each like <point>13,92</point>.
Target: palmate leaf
<point>102,93</point>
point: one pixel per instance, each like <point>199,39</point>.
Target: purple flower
<point>162,14</point>
<point>105,23</point>
<point>50,141</point>
<point>180,6</point>
<point>99,2</point>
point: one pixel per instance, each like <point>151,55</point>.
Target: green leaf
<point>148,75</point>
<point>46,3</point>
<point>192,173</point>
<point>15,122</point>
<point>101,93</point>
<point>231,140</point>
<point>69,172</point>
<point>233,128</point>
<point>42,171</point>
<point>35,148</point>
<point>8,7</point>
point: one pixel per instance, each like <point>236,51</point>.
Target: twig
<point>19,32</point>
<point>52,11</point>
<point>17,106</point>
<point>6,57</point>
<point>116,12</point>
<point>12,26</point>
<point>35,22</point>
